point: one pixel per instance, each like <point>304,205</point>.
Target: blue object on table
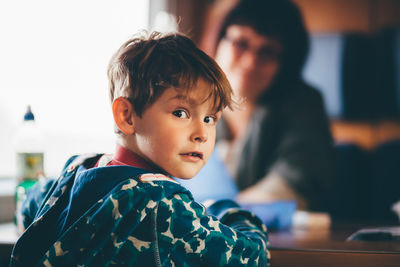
<point>212,182</point>
<point>276,215</point>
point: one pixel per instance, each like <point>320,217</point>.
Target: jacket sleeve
<point>36,195</point>
<point>186,234</point>
<point>34,199</point>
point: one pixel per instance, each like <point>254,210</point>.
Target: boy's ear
<point>123,115</point>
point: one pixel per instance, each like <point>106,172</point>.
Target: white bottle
<point>30,158</point>
<point>29,148</point>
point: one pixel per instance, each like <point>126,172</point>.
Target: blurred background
<point>54,55</point>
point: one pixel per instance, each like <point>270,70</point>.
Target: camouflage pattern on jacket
<point>146,220</point>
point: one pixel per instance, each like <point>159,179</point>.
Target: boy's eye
<point>180,114</point>
<point>209,120</point>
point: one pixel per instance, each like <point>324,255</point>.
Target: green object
<point>20,195</point>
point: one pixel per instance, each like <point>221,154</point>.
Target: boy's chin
<point>185,176</point>
<point>185,173</point>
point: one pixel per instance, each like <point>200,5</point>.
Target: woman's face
<point>249,60</point>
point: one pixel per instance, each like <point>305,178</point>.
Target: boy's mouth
<point>194,154</point>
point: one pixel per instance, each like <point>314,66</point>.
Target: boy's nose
<point>199,134</point>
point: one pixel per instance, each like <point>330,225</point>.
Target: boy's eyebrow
<point>183,98</point>
<point>189,100</point>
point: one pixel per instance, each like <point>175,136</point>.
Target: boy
<point>167,96</point>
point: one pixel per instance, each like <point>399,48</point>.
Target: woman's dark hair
<point>276,19</point>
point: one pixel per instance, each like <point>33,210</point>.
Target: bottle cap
<point>29,115</point>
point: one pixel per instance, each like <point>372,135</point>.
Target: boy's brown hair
<point>144,66</point>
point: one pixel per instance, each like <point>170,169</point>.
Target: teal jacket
<point>122,215</point>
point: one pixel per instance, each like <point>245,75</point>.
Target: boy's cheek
<point>207,157</point>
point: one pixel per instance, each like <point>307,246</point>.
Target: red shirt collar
<point>124,156</point>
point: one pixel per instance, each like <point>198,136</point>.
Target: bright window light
<point>54,56</point>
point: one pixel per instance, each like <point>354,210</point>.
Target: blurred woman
<point>277,145</point>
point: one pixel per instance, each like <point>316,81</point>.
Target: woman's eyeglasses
<point>265,53</point>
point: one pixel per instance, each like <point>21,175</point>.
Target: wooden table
<point>295,247</point>
<point>328,247</point>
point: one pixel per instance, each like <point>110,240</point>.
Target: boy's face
<point>177,132</point>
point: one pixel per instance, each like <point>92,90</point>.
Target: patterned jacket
<point>144,219</point>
